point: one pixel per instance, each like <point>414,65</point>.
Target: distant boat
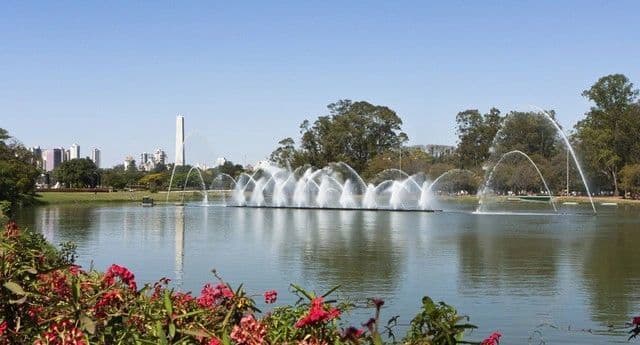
<point>542,198</point>
<point>147,201</point>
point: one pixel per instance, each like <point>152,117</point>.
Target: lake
<point>563,277</point>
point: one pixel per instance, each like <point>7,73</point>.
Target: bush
<point>46,299</point>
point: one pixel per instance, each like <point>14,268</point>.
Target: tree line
<point>370,138</point>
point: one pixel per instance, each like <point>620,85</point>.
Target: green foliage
<point>529,132</point>
<point>77,173</point>
<point>18,172</point>
<point>412,160</point>
<point>475,136</point>
<point>352,132</point>
<point>609,136</point>
<point>437,324</point>
<point>631,180</point>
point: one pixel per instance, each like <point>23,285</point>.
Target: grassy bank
<point>115,197</point>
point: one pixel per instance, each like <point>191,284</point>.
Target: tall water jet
<point>396,195</point>
<point>346,198</point>
<point>573,154</point>
<point>324,191</point>
<point>425,196</point>
<point>485,189</point>
<point>257,196</point>
<point>205,195</point>
<point>369,199</point>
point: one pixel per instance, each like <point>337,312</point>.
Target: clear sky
<point>245,74</point>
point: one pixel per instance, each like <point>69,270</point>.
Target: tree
<point>18,174</point>
<point>285,154</point>
<point>352,132</point>
<point>631,180</point>
<point>414,160</point>
<point>609,136</point>
<point>475,136</point>
<point>77,173</point>
<point>529,132</point>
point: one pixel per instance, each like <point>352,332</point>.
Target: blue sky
<point>245,74</point>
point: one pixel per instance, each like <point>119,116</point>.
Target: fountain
<point>545,115</point>
<point>484,190</point>
<point>205,194</point>
<point>336,186</point>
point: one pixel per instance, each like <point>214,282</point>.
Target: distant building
<point>438,151</point>
<point>220,161</point>
<point>160,157</point>
<point>95,157</point>
<point>128,160</point>
<point>74,151</point>
<point>52,158</point>
<point>179,140</point>
<point>144,158</point>
<point>66,154</point>
<point>37,154</point>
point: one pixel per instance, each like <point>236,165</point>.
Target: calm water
<point>511,273</point>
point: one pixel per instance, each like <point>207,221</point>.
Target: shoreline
<point>53,198</point>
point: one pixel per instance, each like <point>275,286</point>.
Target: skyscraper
<point>180,140</point>
<point>75,151</point>
<point>95,157</point>
<point>51,158</point>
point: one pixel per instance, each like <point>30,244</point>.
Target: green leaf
<point>87,324</point>
<point>302,291</point>
<point>162,337</point>
<point>18,301</point>
<point>331,291</point>
<point>168,306</point>
<point>31,270</point>
<point>15,288</point>
<point>200,333</point>
<point>172,330</point>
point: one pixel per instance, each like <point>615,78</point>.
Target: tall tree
<point>18,174</point>
<point>609,136</point>
<point>529,132</point>
<point>475,136</point>
<point>77,173</point>
<point>352,132</point>
<point>285,154</point>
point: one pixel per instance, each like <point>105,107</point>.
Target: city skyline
<point>116,77</point>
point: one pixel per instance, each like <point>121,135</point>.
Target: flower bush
<point>46,299</point>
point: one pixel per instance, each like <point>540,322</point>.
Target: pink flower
<point>352,334</point>
<point>75,270</point>
<point>493,339</point>
<point>3,327</point>
<point>270,296</point>
<point>123,273</point>
<point>62,333</point>
<point>249,332</point>
<point>318,313</point>
<point>214,341</point>
<point>636,321</point>
<point>11,229</point>
<point>210,295</point>
<point>377,302</point>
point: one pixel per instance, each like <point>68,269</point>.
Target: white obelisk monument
<point>179,140</point>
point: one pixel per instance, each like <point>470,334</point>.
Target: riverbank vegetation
<point>369,138</point>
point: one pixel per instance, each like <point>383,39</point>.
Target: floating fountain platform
<point>338,208</point>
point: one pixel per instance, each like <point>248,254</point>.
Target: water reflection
<point>179,245</point>
<point>611,272</point>
<point>569,270</point>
